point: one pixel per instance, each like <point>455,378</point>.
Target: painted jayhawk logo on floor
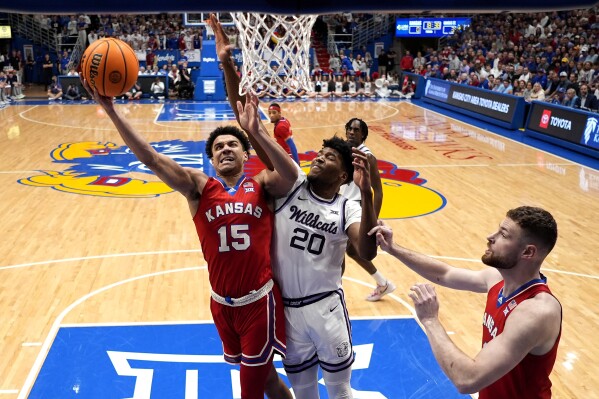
<point>109,170</point>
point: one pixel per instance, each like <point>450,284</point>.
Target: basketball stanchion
<point>275,48</point>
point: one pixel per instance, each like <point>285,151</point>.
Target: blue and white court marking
<point>154,361</point>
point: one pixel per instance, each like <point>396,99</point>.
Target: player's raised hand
<point>361,171</point>
<point>384,235</point>
<point>223,46</point>
<point>248,114</point>
<point>105,102</point>
<point>425,301</point>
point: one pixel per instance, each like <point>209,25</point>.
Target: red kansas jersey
<point>530,378</point>
<point>282,133</point>
<point>235,231</point>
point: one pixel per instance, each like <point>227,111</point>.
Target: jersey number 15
<point>237,237</point>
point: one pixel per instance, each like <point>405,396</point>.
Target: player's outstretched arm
<point>377,186</point>
<point>365,243</point>
<point>533,327</point>
<point>223,50</point>
<point>293,149</point>
<point>169,171</point>
<point>432,269</point>
<point>279,181</point>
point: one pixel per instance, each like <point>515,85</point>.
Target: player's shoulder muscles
<point>199,179</point>
<point>539,317</point>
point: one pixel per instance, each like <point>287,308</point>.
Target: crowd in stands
<point>541,56</point>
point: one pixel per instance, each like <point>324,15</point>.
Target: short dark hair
<point>345,150</point>
<point>537,223</point>
<point>363,127</point>
<point>227,130</point>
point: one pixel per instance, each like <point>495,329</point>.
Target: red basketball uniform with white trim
<point>282,133</point>
<point>530,378</point>
<point>235,229</point>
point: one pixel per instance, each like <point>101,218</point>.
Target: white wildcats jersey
<point>310,239</point>
<point>350,190</point>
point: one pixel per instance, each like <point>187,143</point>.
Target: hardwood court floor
<point>71,256</point>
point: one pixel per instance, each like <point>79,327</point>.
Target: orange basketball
<point>111,66</point>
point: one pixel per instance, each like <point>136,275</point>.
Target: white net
<point>275,51</point>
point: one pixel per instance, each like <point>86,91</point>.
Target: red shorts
<point>253,332</point>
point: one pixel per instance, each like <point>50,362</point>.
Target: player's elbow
<point>465,389</point>
<point>368,253</point>
<point>468,385</point>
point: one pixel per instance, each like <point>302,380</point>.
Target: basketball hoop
<point>274,48</point>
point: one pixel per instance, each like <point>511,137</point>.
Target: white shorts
<point>319,332</point>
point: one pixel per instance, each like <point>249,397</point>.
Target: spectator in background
<point>553,81</point>
<point>537,93</point>
<point>563,81</point>
<point>334,63</point>
<point>407,62</point>
<point>174,77</point>
<point>47,70</point>
<point>182,58</point>
<point>185,86</point>
<point>487,83</point>
<point>474,81</point>
<point>54,89</point>
<point>527,91</point>
<point>157,89</point>
<point>64,62</point>
<point>586,73</point>
<point>540,77</point>
<point>506,87</point>
<point>181,41</point>
<point>383,61</point>
<point>92,36</point>
<point>152,43</point>
<point>134,93</point>
<point>73,93</point>
<point>454,62</point>
<point>574,83</point>
<point>16,87</point>
<point>570,99</point>
<point>151,60</point>
<point>392,56</point>
<point>29,67</point>
<point>462,79</point>
<point>586,100</point>
<point>558,97</point>
<point>419,61</point>
<point>525,75</point>
<point>369,62</point>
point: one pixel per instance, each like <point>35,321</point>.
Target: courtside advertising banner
<point>437,90</point>
<point>560,122</point>
<point>485,102</point>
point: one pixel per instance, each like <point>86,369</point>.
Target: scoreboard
<point>428,27</point>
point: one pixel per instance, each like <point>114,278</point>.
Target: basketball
<point>110,66</point>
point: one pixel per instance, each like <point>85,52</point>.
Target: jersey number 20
<point>303,240</point>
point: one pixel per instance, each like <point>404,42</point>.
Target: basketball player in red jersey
<point>234,220</point>
<point>282,131</point>
<point>522,320</point>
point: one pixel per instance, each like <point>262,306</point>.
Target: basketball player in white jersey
<point>356,132</point>
<point>313,225</point>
